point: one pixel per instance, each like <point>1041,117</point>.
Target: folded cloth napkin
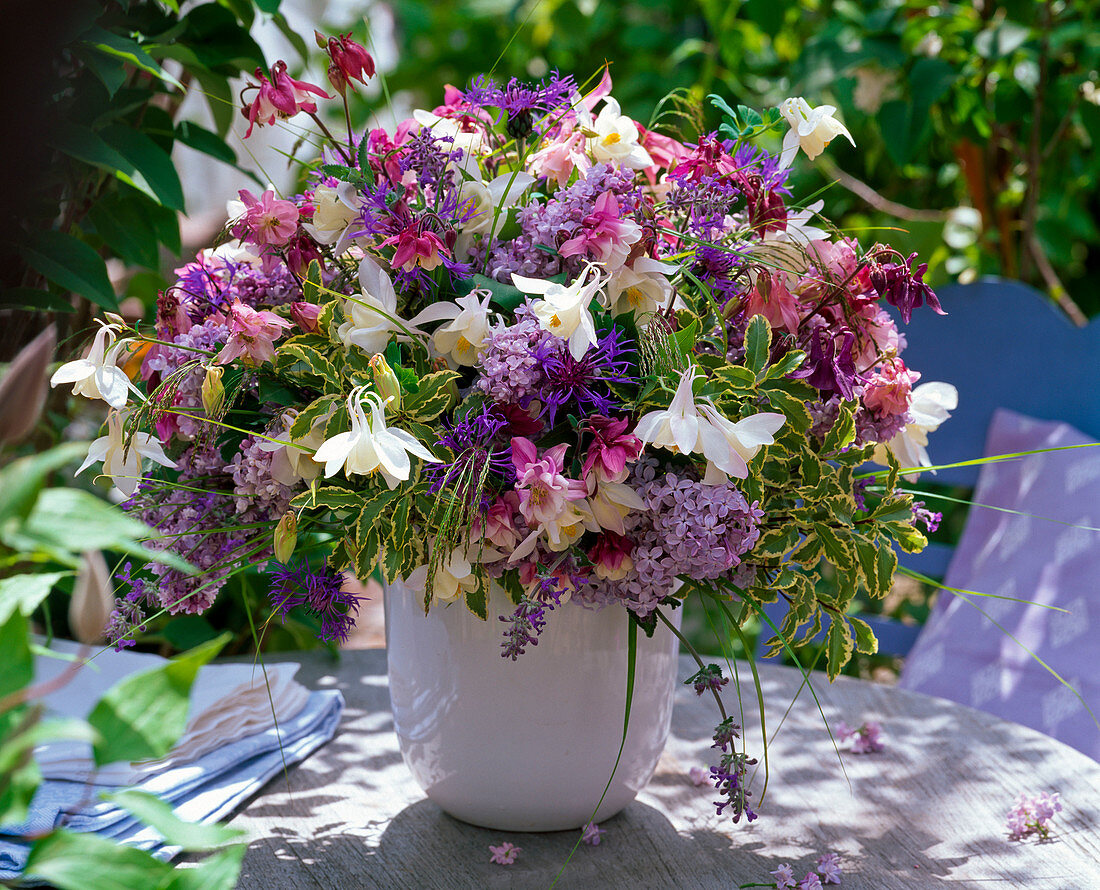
<point>204,789</point>
<point>228,702</point>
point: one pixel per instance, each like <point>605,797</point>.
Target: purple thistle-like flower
<point>321,593</point>
<point>903,288</point>
<point>473,440</point>
<point>519,99</point>
<point>586,383</point>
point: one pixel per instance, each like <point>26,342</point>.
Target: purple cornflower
<point>784,877</point>
<point>828,866</point>
<point>830,368</point>
<point>526,623</point>
<point>318,592</point>
<point>866,739</point>
<point>587,382</point>
<point>505,854</point>
<point>707,677</point>
<point>522,101</point>
<point>591,832</point>
<point>1032,815</point>
<point>930,518</point>
<point>473,442</point>
<point>903,288</point>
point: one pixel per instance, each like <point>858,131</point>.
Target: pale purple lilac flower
<point>591,832</point>
<point>784,877</point>
<point>698,775</point>
<point>866,739</point>
<point>505,854</point>
<point>513,361</point>
<point>810,882</point>
<point>828,866</point>
<point>1033,814</point>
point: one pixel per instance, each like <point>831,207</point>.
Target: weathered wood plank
<point>928,811</point>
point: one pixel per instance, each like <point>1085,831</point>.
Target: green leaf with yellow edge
<point>839,647</point>
<point>887,565</point>
<point>758,341</point>
<point>842,432</point>
<point>437,394</point>
<point>837,550</point>
<point>312,413</point>
<point>867,554</point>
<point>328,497</point>
<point>798,415</point>
<point>311,283</point>
<point>866,643</point>
<point>776,542</point>
<point>477,601</point>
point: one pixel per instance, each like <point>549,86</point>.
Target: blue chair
<point>1002,345</point>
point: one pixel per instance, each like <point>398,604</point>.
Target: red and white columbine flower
<point>605,236</point>
<point>252,335</point>
<point>281,96</point>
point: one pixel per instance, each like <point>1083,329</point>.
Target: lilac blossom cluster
<point>827,872</point>
<point>865,738</point>
<point>1033,814</point>
<point>546,227</point>
<point>514,359</point>
<point>688,528</point>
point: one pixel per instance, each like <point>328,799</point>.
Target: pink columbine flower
<point>505,854</point>
<point>416,248</point>
<point>611,450</point>
<point>500,524</point>
<point>281,96</point>
<point>305,315</point>
<point>543,491</point>
<point>889,391</point>
<point>252,334</point>
<point>700,776</point>
<point>784,877</point>
<point>558,158</point>
<point>611,556</point>
<point>591,832</point>
<point>773,299</point>
<point>866,739</point>
<point>267,219</point>
<point>828,866</point>
<point>606,236</point>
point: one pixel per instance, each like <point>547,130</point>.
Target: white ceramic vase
<point>525,745</point>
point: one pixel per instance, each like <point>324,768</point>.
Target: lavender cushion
<point>961,654</point>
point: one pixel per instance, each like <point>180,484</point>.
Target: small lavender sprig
<point>528,620</point>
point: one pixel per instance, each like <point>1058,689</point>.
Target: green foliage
<point>111,171</point>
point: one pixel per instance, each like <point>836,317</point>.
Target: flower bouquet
<point>530,361</point>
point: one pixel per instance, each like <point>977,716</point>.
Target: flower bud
<point>322,42</point>
<point>93,599</point>
<point>305,315</point>
<point>337,78</point>
<point>286,537</point>
<point>213,392</point>
<point>385,382</point>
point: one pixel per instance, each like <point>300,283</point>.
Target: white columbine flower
<point>123,464</point>
<point>616,139</point>
<point>370,316</point>
<point>563,311</point>
<point>335,211</point>
<point>291,465</point>
<point>931,404</point>
<point>811,129</point>
<point>689,428</point>
<point>97,376</point>
<point>370,445</point>
<point>611,502</point>
<point>642,288</point>
<point>462,337</point>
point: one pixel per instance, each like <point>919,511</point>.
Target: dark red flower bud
<point>352,58</point>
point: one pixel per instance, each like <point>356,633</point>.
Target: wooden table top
<point>928,811</point>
